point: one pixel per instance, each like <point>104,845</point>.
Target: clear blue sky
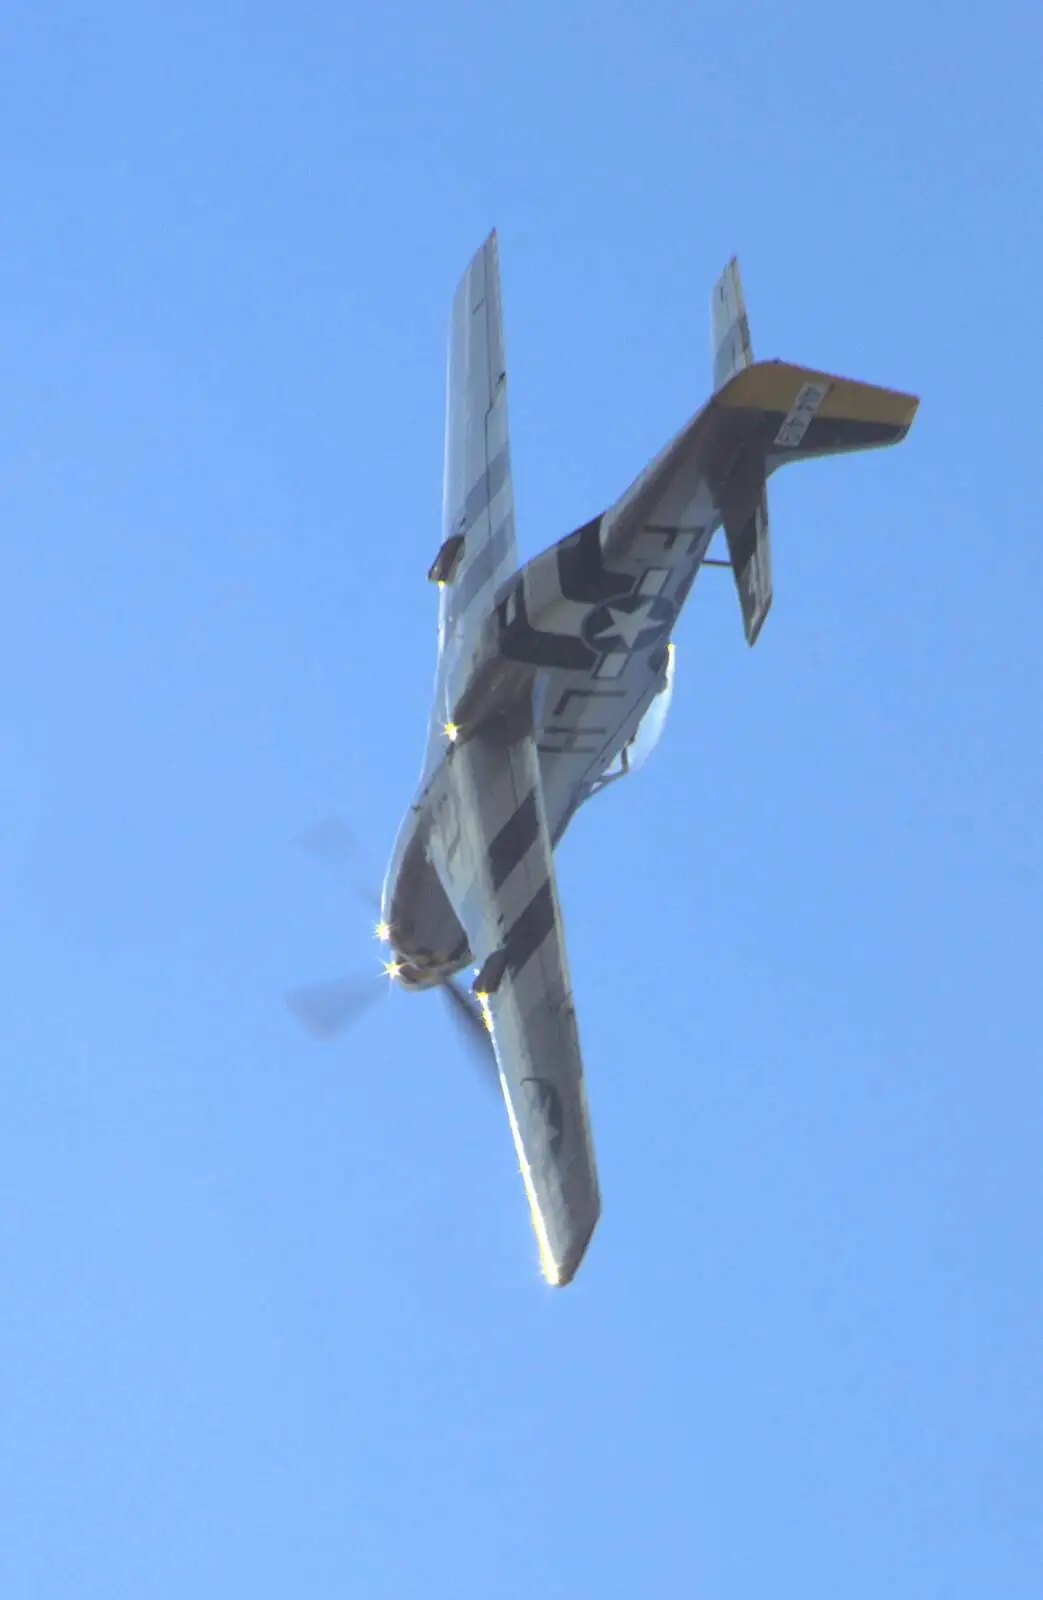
<point>270,1316</point>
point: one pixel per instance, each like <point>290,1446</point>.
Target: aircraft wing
<point>492,850</point>
<point>478,550</point>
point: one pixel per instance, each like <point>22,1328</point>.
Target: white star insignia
<point>628,625</point>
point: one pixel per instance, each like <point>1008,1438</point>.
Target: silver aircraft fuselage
<point>425,935</point>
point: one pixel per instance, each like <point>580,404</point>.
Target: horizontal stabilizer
<point>802,412</point>
<point>769,414</point>
<point>729,326</point>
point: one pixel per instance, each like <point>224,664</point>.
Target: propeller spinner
<point>328,1010</point>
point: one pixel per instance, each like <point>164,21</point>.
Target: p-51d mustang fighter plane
<point>551,679</point>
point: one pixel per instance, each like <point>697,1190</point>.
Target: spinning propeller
<point>327,1010</point>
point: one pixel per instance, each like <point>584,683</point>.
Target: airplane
<point>553,680</point>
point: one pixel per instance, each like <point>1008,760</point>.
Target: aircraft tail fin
<point>772,413</point>
<point>781,413</point>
